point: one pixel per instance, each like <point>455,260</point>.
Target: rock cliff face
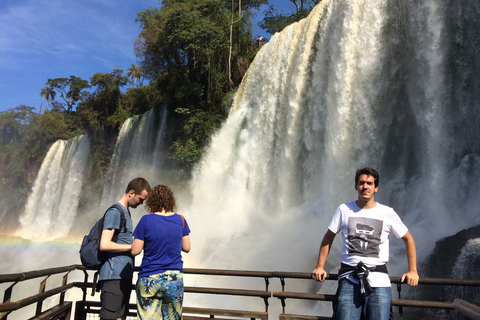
<point>452,257</point>
<point>447,250</point>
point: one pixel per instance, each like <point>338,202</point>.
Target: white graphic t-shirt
<point>365,236</point>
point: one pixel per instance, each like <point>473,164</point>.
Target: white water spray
<point>388,84</point>
<point>139,152</point>
<point>52,205</point>
<point>467,266</point>
<point>357,83</point>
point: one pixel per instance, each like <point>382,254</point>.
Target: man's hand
<point>411,278</point>
<point>319,274</point>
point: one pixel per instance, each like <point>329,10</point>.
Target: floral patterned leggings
<point>160,292</point>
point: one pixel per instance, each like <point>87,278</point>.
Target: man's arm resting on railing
<point>319,274</point>
<point>411,276</point>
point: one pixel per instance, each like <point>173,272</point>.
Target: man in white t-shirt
<point>364,284</point>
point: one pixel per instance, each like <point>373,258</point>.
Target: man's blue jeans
<point>351,302</point>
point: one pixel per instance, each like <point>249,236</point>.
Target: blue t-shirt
<point>162,249</point>
<point>119,265</point>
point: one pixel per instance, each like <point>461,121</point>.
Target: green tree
<point>9,127</point>
<point>188,46</point>
<point>135,74</point>
<point>247,6</point>
<point>48,94</point>
<point>108,94</point>
<point>25,137</point>
<point>275,21</point>
<point>99,110</point>
<point>197,132</point>
<point>184,46</point>
<point>70,89</point>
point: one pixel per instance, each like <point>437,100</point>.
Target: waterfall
<point>140,151</point>
<point>467,266</point>
<point>389,84</point>
<point>52,205</point>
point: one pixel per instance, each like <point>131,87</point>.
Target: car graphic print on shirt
<point>364,236</point>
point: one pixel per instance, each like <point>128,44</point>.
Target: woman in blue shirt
<point>162,235</point>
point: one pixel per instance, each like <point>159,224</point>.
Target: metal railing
<point>61,311</point>
<point>83,307</point>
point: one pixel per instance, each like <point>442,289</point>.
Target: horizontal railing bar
<point>224,291</point>
<point>303,295</point>
<point>233,292</point>
<point>56,311</point>
<point>286,316</point>
<point>34,274</point>
<point>330,297</point>
<point>293,275</point>
<point>219,272</point>
<point>443,282</point>
<point>242,273</point>
<point>423,304</point>
<point>471,311</point>
<point>195,310</point>
<point>10,306</point>
<point>225,312</point>
<point>425,281</point>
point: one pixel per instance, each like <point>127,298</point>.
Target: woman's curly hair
<point>160,197</point>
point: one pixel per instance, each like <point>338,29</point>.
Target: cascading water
<point>52,205</point>
<point>388,84</point>
<point>467,266</point>
<point>139,152</point>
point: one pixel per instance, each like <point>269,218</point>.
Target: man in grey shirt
<point>116,273</point>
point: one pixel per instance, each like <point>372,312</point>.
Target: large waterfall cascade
<point>139,152</point>
<point>357,83</point>
<point>389,84</point>
<point>52,206</point>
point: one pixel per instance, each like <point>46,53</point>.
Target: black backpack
<point>90,255</point>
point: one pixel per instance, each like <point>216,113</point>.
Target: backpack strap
<point>183,221</point>
<point>123,221</point>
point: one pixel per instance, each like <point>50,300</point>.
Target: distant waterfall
<point>52,205</point>
<point>139,152</point>
<point>393,85</point>
<point>467,266</point>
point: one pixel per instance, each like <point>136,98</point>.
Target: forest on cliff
<point>192,56</point>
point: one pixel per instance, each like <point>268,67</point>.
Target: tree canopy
<point>275,21</point>
<point>188,51</point>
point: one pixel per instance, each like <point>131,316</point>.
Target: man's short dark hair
<point>138,185</point>
<point>368,172</point>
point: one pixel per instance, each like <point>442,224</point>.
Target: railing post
<point>267,283</point>
<point>43,284</point>
<point>282,301</point>
<point>6,298</point>
<point>64,282</point>
<point>85,273</point>
<point>400,308</point>
<point>80,312</point>
<point>282,282</point>
<point>266,304</point>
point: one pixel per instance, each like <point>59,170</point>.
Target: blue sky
<point>46,39</point>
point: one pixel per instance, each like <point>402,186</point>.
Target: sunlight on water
<point>388,84</point>
<point>52,206</point>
